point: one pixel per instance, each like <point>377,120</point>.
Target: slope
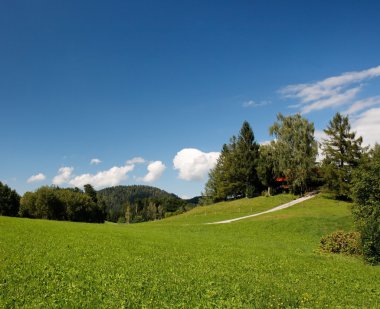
<point>266,261</point>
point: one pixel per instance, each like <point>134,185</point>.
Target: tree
<point>220,184</point>
<point>9,201</point>
<point>266,167</point>
<point>28,205</point>
<point>235,172</point>
<point>128,213</point>
<point>48,205</point>
<point>366,210</point>
<point>151,211</point>
<point>342,153</point>
<point>247,155</point>
<point>295,150</point>
<point>90,191</point>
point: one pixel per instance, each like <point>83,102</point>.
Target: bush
<point>341,242</point>
<point>121,220</point>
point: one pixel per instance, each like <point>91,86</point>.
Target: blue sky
<point>168,82</point>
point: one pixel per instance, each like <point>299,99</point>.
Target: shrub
<point>341,242</point>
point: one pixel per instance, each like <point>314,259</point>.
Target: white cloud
<point>64,174</point>
<point>194,164</point>
<point>362,104</point>
<point>330,92</point>
<point>95,161</point>
<point>320,135</point>
<point>252,103</point>
<point>367,125</point>
<point>111,177</point>
<point>135,160</point>
<point>155,170</point>
<point>265,142</point>
<point>36,178</point>
<point>333,101</point>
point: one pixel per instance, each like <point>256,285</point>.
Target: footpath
<point>283,206</point>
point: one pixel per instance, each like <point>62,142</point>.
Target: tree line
<point>63,204</point>
<point>126,204</point>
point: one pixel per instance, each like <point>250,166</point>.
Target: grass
<point>266,261</point>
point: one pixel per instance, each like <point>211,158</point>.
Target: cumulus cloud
<point>95,161</point>
<point>64,174</point>
<point>135,160</point>
<point>252,103</point>
<point>194,164</point>
<point>111,177</point>
<point>155,170</point>
<point>330,92</point>
<point>36,178</point>
<point>367,125</point>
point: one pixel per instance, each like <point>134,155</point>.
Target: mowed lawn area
<point>266,261</point>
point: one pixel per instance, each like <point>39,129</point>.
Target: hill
<point>115,198</point>
<point>262,262</point>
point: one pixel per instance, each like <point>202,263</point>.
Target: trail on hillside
<point>283,206</point>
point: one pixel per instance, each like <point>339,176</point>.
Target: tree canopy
<point>295,150</point>
<point>61,204</point>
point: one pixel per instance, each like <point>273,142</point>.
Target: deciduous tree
<point>295,150</point>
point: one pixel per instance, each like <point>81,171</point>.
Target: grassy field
<point>266,261</point>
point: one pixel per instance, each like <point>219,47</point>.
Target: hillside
<point>261,262</point>
<point>115,198</point>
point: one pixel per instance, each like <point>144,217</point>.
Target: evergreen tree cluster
<point>235,173</point>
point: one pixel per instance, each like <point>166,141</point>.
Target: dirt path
<point>283,206</point>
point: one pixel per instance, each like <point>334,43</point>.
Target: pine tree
<point>90,191</point>
<point>342,153</point>
<point>247,155</point>
<point>235,173</point>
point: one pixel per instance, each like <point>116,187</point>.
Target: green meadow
<point>269,261</point>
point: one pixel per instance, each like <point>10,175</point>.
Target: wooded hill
<point>118,198</point>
